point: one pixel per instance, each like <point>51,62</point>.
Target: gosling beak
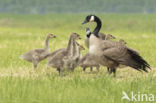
<point>85,22</point>
<point>54,36</point>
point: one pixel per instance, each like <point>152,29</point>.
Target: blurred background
<point>77,6</point>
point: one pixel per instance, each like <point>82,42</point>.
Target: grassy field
<point>19,83</point>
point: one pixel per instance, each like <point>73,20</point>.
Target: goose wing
<point>56,53</point>
<point>124,55</point>
<point>56,58</point>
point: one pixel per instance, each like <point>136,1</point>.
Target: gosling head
<point>81,47</point>
<point>90,18</point>
<point>122,41</point>
<point>110,36</point>
<point>51,35</point>
<point>75,36</point>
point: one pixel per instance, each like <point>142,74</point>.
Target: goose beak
<point>85,22</point>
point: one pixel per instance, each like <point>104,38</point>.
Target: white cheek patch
<point>92,18</point>
<point>88,32</point>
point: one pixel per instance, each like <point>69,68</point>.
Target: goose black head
<point>89,18</point>
<point>93,18</point>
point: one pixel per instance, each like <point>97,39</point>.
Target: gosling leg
<point>98,68</point>
<point>35,64</point>
<point>91,69</point>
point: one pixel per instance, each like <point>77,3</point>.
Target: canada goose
<point>65,57</point>
<point>87,61</point>
<point>37,55</point>
<point>110,53</point>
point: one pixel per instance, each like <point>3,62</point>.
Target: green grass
<point>19,83</point>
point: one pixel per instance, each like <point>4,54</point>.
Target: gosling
<point>37,55</point>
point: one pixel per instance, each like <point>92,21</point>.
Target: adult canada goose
<point>37,55</point>
<point>65,57</point>
<point>87,61</point>
<point>110,53</point>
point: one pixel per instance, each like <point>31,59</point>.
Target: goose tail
<point>140,63</point>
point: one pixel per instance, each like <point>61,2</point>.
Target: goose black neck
<point>88,35</point>
<point>98,27</point>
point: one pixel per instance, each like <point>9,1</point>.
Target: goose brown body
<point>87,61</point>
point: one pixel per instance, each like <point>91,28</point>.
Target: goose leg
<point>108,69</point>
<point>35,61</point>
<point>91,69</point>
<point>98,68</point>
<point>114,71</point>
<point>58,69</point>
<point>72,69</point>
<point>35,64</point>
<point>84,68</point>
<point>60,72</point>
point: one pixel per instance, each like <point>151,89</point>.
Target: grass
<point>19,83</point>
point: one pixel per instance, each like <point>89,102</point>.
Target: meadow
<point>19,83</point>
